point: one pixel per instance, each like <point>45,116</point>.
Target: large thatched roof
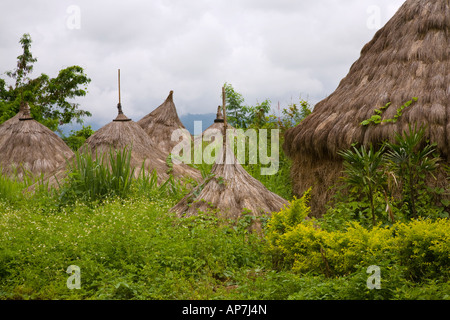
<point>409,57</point>
<point>27,145</point>
<point>161,122</point>
<point>122,132</point>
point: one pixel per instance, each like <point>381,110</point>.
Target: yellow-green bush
<point>424,247</point>
<point>284,221</point>
<point>421,247</point>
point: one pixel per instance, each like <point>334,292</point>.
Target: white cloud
<point>266,49</point>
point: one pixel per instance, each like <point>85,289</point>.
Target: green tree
<point>236,111</point>
<point>76,138</point>
<point>294,114</point>
<point>257,115</point>
<point>50,99</point>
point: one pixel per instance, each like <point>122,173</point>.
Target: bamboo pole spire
<point>224,109</point>
<point>119,105</point>
<point>120,115</point>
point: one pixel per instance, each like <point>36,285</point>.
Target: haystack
<point>27,146</point>
<point>161,123</point>
<point>409,57</point>
<point>230,191</point>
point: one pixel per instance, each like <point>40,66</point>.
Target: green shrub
<point>421,247</point>
<point>424,248</point>
<point>283,222</point>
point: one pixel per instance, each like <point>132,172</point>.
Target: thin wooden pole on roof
<point>119,83</point>
<point>119,105</point>
<point>224,109</point>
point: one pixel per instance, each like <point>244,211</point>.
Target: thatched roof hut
<point>160,124</point>
<point>27,146</point>
<point>230,190</point>
<point>122,132</point>
<point>409,57</point>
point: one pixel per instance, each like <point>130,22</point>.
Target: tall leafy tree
<point>50,99</point>
<point>236,111</point>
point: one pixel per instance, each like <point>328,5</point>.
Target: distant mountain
<point>206,118</point>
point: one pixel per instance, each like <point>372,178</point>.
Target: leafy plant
<point>362,173</point>
<point>283,222</point>
<point>76,138</point>
<point>93,178</point>
<point>412,162</point>
<point>377,117</point>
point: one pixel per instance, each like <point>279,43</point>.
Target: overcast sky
<point>279,50</point>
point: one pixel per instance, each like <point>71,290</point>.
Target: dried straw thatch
<point>230,190</point>
<point>122,133</point>
<point>160,124</point>
<point>409,57</point>
<point>27,146</point>
<point>7,127</point>
<point>217,125</point>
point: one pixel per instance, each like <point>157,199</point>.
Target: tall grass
<point>95,177</point>
<point>10,189</point>
<point>12,185</point>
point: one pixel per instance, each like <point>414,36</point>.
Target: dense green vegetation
<point>132,248</point>
<point>119,232</point>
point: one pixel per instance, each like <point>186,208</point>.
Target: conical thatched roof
<point>28,145</point>
<point>7,126</point>
<point>123,132</point>
<point>409,57</point>
<point>231,190</point>
<point>160,124</point>
<point>218,123</point>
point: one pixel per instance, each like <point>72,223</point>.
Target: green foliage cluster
<point>377,117</point>
<point>75,139</point>
<point>392,183</point>
<point>409,253</point>
<point>94,178</point>
<point>261,116</point>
